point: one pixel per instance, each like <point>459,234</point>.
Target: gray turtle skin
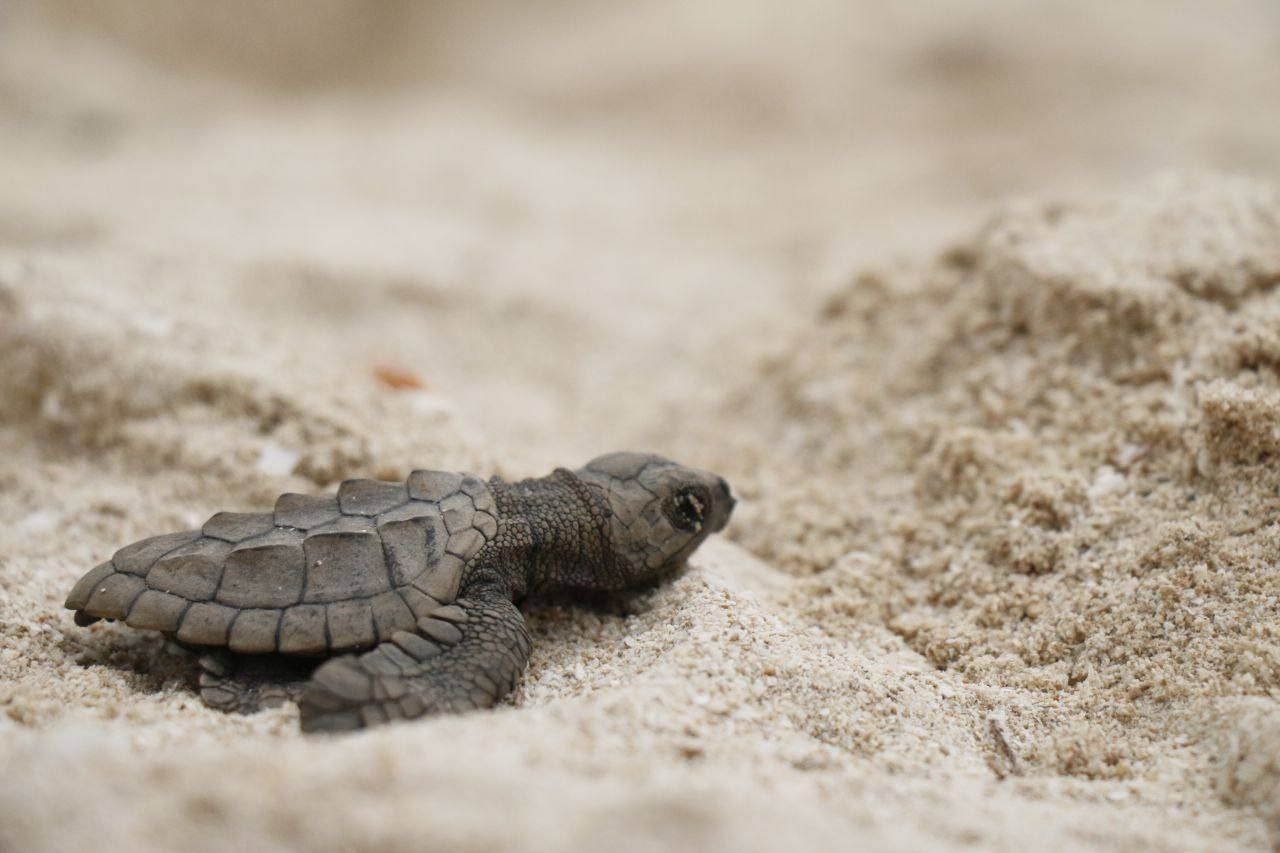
<point>408,588</point>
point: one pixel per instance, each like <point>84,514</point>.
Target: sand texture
<point>979,312</point>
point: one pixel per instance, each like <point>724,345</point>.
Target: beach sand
<point>978,313</point>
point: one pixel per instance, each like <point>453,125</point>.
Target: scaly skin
<point>451,639</point>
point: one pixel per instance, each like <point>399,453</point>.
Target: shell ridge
<point>165,554</point>
<point>182,617</point>
<point>133,601</point>
<point>217,588</point>
<point>413,539</point>
<point>152,564</point>
<point>386,554</point>
<point>231,626</point>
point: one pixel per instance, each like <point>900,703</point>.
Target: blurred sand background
<point>975,304</point>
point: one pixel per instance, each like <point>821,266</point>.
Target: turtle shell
<point>317,575</point>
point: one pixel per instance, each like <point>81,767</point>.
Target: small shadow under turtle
<point>155,663</point>
<point>550,619</point>
<point>150,660</point>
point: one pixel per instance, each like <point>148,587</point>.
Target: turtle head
<point>662,511</point>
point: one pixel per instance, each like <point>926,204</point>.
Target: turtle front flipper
<point>464,656</point>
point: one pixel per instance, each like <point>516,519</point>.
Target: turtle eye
<point>687,511</point>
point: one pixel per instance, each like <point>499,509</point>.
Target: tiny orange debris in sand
<point>398,378</point>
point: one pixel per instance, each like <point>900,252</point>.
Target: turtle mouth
<point>725,500</point>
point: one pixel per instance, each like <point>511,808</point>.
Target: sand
<point>976,311</point>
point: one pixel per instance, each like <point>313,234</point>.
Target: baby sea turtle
<point>407,587</point>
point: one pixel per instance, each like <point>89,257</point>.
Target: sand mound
<point>1047,462</point>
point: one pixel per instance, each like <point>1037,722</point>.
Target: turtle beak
<point>724,499</point>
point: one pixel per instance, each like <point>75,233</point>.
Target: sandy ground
<point>975,305</point>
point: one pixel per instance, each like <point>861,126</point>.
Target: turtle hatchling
<point>409,589</point>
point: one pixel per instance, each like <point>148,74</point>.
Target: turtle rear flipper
<point>464,656</point>
<point>245,684</point>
